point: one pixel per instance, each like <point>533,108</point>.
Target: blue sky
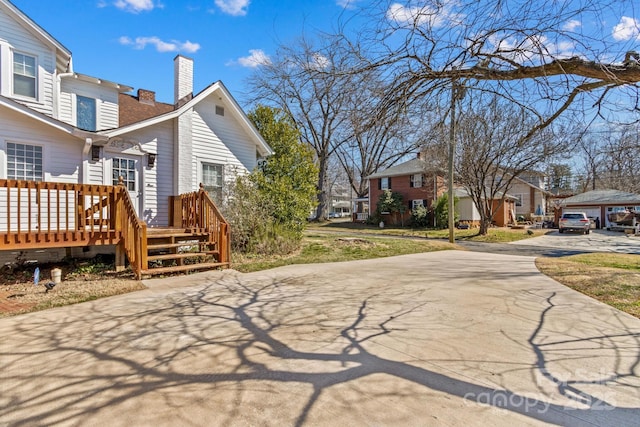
<point>133,42</point>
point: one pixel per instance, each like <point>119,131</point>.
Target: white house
<point>57,125</point>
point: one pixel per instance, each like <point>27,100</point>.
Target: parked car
<point>574,221</point>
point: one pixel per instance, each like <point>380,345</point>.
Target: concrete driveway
<point>596,241</point>
<point>445,338</point>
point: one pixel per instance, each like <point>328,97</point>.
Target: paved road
<point>445,338</point>
<point>596,241</point>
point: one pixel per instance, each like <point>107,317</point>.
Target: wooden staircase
<point>176,250</point>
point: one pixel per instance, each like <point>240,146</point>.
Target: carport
<point>598,203</point>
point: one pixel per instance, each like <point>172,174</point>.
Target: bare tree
<point>377,134</point>
<point>611,158</point>
<point>312,84</point>
<point>494,147</point>
<point>551,51</point>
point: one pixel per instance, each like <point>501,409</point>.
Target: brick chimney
<point>183,78</point>
<point>146,97</point>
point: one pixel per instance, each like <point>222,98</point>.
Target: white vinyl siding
<point>237,153</point>
<point>156,182</point>
<point>106,100</point>
<point>62,153</point>
<point>16,39</point>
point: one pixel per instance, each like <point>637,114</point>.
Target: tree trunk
<point>322,209</point>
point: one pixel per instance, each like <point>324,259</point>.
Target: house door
<point>128,167</point>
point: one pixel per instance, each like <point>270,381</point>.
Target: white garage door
<point>591,212</point>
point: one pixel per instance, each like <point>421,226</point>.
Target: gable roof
<point>413,166</point>
<point>132,110</point>
<point>462,192</point>
<point>604,197</point>
<point>535,187</point>
<point>63,55</point>
<point>47,120</point>
<point>217,87</point>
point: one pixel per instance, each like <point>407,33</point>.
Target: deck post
<point>120,256</point>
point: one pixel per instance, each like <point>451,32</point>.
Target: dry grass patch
<point>80,282</point>
<point>592,275</point>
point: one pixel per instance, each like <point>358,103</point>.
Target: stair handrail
<point>133,230</point>
<point>211,219</point>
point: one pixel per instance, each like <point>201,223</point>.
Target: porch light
<point>151,159</point>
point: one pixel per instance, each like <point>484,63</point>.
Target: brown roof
<point>137,108</point>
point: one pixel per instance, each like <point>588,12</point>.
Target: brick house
<point>416,180</point>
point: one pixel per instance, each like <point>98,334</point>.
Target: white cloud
<point>571,25</point>
<point>233,7</point>
<point>628,28</point>
<point>318,62</point>
<point>532,48</point>
<point>256,58</point>
<point>135,6</point>
<point>416,15</point>
<point>347,4</point>
<point>160,45</point>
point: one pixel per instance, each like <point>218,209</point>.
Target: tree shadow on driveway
<point>290,351</point>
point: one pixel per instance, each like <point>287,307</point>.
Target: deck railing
<point>196,210</point>
<point>38,215</point>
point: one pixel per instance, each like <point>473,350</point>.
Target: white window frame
<point>519,197</point>
<point>23,177</point>
<point>35,76</point>
<point>417,202</point>
<point>95,112</point>
<point>384,183</point>
<point>217,192</point>
<point>416,180</point>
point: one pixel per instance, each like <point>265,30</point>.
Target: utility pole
<point>456,92</point>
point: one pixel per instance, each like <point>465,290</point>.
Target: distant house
<point>504,212</point>
<point>417,182</point>
<point>598,203</point>
<point>530,193</point>
<point>60,126</point>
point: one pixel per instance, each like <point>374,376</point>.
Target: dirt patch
<point>83,281</point>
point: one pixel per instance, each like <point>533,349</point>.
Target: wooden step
<point>155,247</point>
<point>177,256</point>
<point>182,268</point>
<point>177,235</point>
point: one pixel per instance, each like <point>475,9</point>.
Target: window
<point>24,162</point>
<point>212,179</point>
<point>518,199</point>
<point>416,203</point>
<point>24,75</point>
<point>125,168</point>
<point>219,110</point>
<point>86,113</point>
<point>416,180</point>
<point>385,183</point>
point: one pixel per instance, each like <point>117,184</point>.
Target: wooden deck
<point>40,215</point>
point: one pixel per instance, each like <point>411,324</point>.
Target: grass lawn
<point>495,235</point>
<point>320,247</point>
<point>611,278</point>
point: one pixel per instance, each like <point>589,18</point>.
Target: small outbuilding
<point>598,203</point>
